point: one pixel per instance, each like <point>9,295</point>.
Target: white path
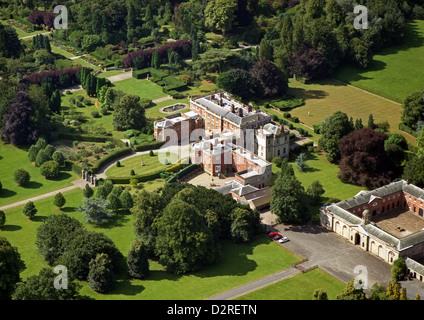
<point>28,37</point>
<point>76,184</point>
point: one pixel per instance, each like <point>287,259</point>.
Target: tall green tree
<point>59,200</point>
<point>129,114</point>
<point>137,262</point>
<point>100,276</point>
<point>11,267</point>
<point>41,287</point>
<point>287,200</point>
<point>95,210</point>
<point>333,129</point>
<point>221,14</point>
<point>29,209</point>
<point>184,243</point>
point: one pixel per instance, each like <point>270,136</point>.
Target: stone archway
<point>357,239</point>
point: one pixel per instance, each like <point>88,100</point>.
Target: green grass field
<point>13,158</point>
<point>151,165</point>
<point>241,263</point>
<point>395,72</point>
<point>109,74</point>
<point>299,287</point>
<point>324,98</point>
<point>141,87</point>
<point>320,169</point>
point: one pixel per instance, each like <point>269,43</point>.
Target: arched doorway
<point>357,239</point>
<point>420,212</point>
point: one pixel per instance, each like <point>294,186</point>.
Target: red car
<point>272,234</point>
<point>277,237</point>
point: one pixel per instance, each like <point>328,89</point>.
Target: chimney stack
<point>249,108</point>
<point>240,112</point>
<point>233,110</point>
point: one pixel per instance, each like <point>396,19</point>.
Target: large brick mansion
<point>228,136</point>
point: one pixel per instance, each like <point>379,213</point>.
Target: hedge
<point>87,138</point>
<point>182,173</point>
<point>145,177</point>
<point>148,146</point>
<point>110,157</point>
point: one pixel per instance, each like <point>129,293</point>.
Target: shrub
<point>295,119</point>
<point>118,164</point>
<point>2,219</point>
<point>32,153</point>
<point>59,200</point>
<point>95,114</point>
<point>132,173</point>
<point>29,209</point>
<point>151,153</point>
<point>287,115</point>
<point>50,169</point>
<point>42,156</point>
<point>88,102</point>
<point>21,177</point>
<point>100,277</point>
<point>58,157</point>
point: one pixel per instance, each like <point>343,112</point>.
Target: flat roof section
<point>399,222</point>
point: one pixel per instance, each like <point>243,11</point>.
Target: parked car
<point>277,237</point>
<point>283,239</point>
<point>272,234</point>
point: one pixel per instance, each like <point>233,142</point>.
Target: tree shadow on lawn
<point>38,218</point>
<point>233,262</point>
<point>10,228</point>
<point>357,74</point>
<point>118,220</point>
<point>308,94</point>
<point>6,193</point>
<point>62,176</point>
<point>126,288</point>
<point>33,185</point>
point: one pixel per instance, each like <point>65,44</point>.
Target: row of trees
<point>367,156</point>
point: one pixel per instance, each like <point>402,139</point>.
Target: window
<point>278,152</point>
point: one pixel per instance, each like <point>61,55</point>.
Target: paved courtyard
<point>339,257</point>
<point>399,222</point>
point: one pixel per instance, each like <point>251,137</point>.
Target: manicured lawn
<point>13,158</point>
<point>395,72</point>
<point>109,74</point>
<point>151,165</point>
<point>320,169</point>
<point>324,98</point>
<point>299,287</point>
<point>240,263</point>
<point>141,87</point>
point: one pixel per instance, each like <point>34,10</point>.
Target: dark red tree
<point>268,80</point>
<point>18,127</point>
<point>37,78</point>
<point>182,47</point>
<point>42,17</point>
<point>364,161</point>
<point>308,63</point>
